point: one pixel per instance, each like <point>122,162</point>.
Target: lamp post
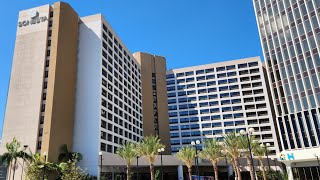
<point>137,168</point>
<point>315,155</point>
<point>100,169</point>
<point>275,163</point>
<point>45,162</point>
<point>248,134</point>
<point>25,147</point>
<point>161,151</point>
<point>196,158</point>
<point>266,151</point>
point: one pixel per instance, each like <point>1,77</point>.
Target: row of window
<point>45,83</point>
<point>211,83</point>
<point>302,130</point>
<point>210,70</point>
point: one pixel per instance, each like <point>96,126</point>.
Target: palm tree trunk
<point>152,171</point>
<point>237,167</point>
<point>190,173</point>
<point>263,170</point>
<point>250,167</point>
<point>128,173</point>
<point>215,169</point>
<point>9,169</point>
<point>234,169</point>
<point>14,168</point>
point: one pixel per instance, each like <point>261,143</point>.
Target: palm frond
<point>186,155</point>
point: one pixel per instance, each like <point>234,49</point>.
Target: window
<point>200,71</point>
<point>169,76</point>
<point>189,73</point>
<point>242,65</point>
<point>102,146</point>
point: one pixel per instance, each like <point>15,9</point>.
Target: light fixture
<point>100,153</point>
<point>197,142</point>
<point>251,130</point>
<point>243,132</point>
<point>193,143</point>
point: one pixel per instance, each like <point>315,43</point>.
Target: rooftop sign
<point>34,19</point>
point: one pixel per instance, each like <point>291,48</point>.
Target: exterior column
<point>289,171</point>
<point>180,172</point>
<point>229,171</point>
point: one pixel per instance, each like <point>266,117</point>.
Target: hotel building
<point>290,38</point>
<point>215,99</point>
<point>73,82</point>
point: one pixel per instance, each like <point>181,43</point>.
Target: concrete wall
<point>26,81</point>
<point>59,113</point>
<point>88,91</point>
<point>154,64</point>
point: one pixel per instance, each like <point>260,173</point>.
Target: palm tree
<point>39,167</point>
<point>187,155</point>
<point>128,153</point>
<point>148,148</point>
<point>212,152</point>
<point>259,151</point>
<point>244,146</point>
<point>232,148</point>
<point>14,152</point>
<point>67,155</point>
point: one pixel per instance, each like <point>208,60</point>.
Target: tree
<point>69,170</point>
<point>39,167</point>
<point>128,153</point>
<point>232,148</point>
<point>212,152</point>
<point>244,146</point>
<point>14,152</point>
<point>259,151</point>
<point>148,148</point>
<point>187,155</point>
<point>67,155</point>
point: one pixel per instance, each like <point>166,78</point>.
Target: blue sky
<point>186,32</point>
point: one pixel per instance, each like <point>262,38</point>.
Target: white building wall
<point>87,113</point>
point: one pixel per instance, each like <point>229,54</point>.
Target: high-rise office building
<point>154,97</point>
<point>215,99</point>
<point>290,38</point>
<point>73,82</point>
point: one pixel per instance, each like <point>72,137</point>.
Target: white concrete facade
<point>108,95</point>
<point>87,111</point>
<point>211,100</point>
<point>290,38</point>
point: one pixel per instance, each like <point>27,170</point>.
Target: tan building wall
<point>154,64</point>
<point>59,113</point>
<point>26,81</point>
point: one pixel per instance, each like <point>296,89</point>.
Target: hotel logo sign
<point>34,19</point>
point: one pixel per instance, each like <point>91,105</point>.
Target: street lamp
<point>137,167</point>
<point>315,155</point>
<point>275,163</point>
<point>266,151</point>
<point>25,147</point>
<point>249,133</point>
<point>161,151</point>
<point>100,172</point>
<point>45,162</point>
<point>196,158</point>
